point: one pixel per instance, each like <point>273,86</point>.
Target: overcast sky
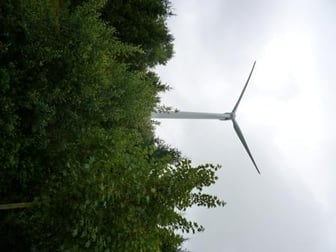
<point>287,116</point>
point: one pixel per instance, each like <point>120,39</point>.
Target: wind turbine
<point>219,116</point>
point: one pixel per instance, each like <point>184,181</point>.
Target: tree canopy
<point>76,137</point>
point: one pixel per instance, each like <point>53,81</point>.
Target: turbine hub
<point>226,116</point>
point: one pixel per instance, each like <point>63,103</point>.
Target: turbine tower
<point>219,116</point>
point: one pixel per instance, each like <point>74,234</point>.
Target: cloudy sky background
<point>287,116</point>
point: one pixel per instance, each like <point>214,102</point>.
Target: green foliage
<point>76,135</point>
<point>142,23</point>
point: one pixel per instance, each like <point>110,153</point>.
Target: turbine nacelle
<point>227,116</point>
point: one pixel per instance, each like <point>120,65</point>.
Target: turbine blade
<point>242,93</point>
<point>242,140</point>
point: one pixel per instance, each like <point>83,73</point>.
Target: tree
<point>77,140</point>
<point>142,23</point>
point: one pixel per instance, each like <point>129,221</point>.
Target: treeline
<point>76,137</point>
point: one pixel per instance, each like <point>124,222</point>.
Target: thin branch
<point>17,205</point>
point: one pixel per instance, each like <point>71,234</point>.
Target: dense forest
<point>77,144</point>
